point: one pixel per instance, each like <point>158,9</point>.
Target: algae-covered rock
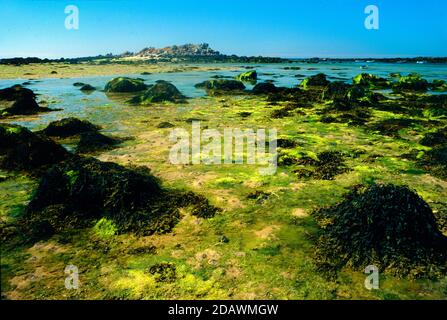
<point>327,166</point>
<point>87,87</point>
<point>435,161</point>
<point>249,76</point>
<point>318,80</point>
<point>371,81</point>
<point>78,84</point>
<point>69,127</point>
<point>94,141</point>
<point>23,150</point>
<point>16,92</point>
<point>387,226</point>
<point>264,88</point>
<point>161,91</point>
<point>435,138</point>
<point>23,106</point>
<point>125,84</point>
<point>412,82</point>
<point>221,86</point>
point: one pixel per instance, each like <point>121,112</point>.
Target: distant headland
<point>203,53</point>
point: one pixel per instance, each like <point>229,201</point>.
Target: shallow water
<point>61,94</point>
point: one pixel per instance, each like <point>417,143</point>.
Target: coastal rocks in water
<point>87,87</point>
<point>125,84</point>
<point>94,141</point>
<point>69,127</point>
<point>16,92</point>
<point>23,106</point>
<point>248,76</point>
<point>372,227</point>
<point>371,81</point>
<point>161,91</point>
<point>79,84</point>
<point>264,88</point>
<point>221,86</point>
<point>79,192</point>
<point>318,80</point>
<point>412,82</point>
<point>23,150</point>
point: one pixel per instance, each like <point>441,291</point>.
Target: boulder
<point>221,86</point>
<point>318,80</point>
<point>248,76</point>
<point>25,105</point>
<point>412,82</point>
<point>264,88</point>
<point>87,87</point>
<point>125,84</point>
<point>94,141</point>
<point>69,127</point>
<point>439,85</point>
<point>161,91</point>
<point>23,150</point>
<point>371,81</point>
<point>16,92</point>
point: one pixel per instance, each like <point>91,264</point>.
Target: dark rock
<point>23,150</point>
<point>125,84</point>
<point>165,124</point>
<point>94,141</point>
<point>221,86</point>
<point>412,82</point>
<point>161,91</point>
<point>69,127</point>
<point>87,87</point>
<point>248,76</point>
<point>16,92</point>
<point>78,84</point>
<point>371,81</point>
<point>318,80</point>
<point>264,88</point>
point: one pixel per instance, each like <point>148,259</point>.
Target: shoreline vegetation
<point>96,189</point>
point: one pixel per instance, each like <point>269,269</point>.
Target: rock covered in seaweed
<point>24,102</point>
<point>411,82</point>
<point>318,80</point>
<point>23,150</point>
<point>125,84</point>
<point>249,76</point>
<point>161,91</point>
<point>69,127</point>
<point>90,142</point>
<point>388,226</point>
<point>15,92</point>
<point>221,86</point>
<point>371,81</point>
<point>264,88</point>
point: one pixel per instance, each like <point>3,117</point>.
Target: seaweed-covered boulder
<point>412,82</point>
<point>79,192</point>
<point>161,91</point>
<point>318,80</point>
<point>221,86</point>
<point>23,106</point>
<point>69,127</point>
<point>439,85</point>
<point>16,92</point>
<point>94,141</point>
<point>249,76</point>
<point>335,90</point>
<point>87,87</point>
<point>79,84</point>
<point>388,226</point>
<point>125,84</point>
<point>371,81</point>
<point>23,150</point>
<point>264,88</point>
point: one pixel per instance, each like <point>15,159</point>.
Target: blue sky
<point>287,28</point>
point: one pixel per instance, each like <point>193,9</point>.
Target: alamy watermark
<point>372,20</point>
<point>232,146</point>
<point>72,280</point>
<point>72,18</point>
<point>372,280</point>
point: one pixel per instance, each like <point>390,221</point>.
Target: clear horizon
<point>288,29</point>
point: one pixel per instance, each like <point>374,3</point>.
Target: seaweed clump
<point>77,193</point>
<point>125,84</point>
<point>327,166</point>
<point>23,150</point>
<point>388,226</point>
<point>94,141</point>
<point>221,86</point>
<point>23,102</point>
